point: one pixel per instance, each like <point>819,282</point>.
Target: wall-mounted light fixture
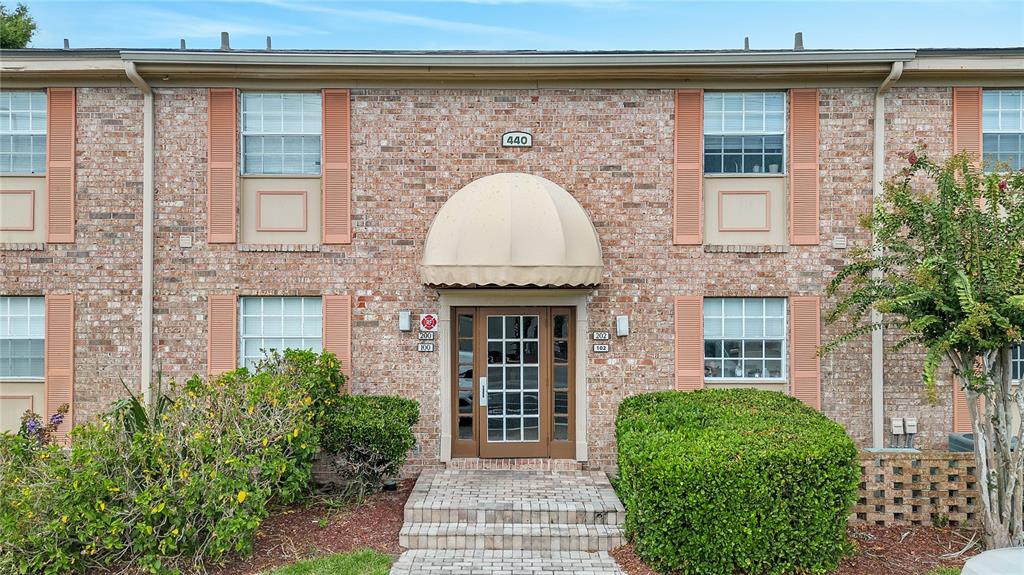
<point>622,325</point>
<point>405,320</point>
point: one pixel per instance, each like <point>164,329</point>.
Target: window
<point>1002,128</point>
<point>745,338</point>
<point>21,337</point>
<point>279,323</point>
<point>281,133</point>
<point>744,132</point>
<point>1017,363</point>
<point>22,132</point>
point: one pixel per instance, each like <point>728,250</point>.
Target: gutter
<point>148,138</point>
<point>517,60</point>
<point>877,192</point>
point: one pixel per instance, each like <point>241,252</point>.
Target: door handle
<point>483,392</point>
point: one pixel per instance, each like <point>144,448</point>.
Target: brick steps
<point>511,536</point>
<point>483,562</point>
<point>526,513</point>
<point>510,521</point>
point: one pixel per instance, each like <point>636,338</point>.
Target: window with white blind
<point>22,132</point>
<point>744,132</point>
<point>281,133</point>
<point>278,323</point>
<point>745,338</point>
<point>22,325</point>
<point>1002,128</point>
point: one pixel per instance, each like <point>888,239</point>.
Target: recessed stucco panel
<point>22,209</point>
<point>746,210</point>
<point>280,210</point>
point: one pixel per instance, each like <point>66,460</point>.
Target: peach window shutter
<point>689,328</point>
<point>961,414</point>
<point>803,166</point>
<point>967,121</point>
<point>60,166</point>
<point>337,168</point>
<point>221,333</point>
<point>222,168</point>
<point>805,337</point>
<point>59,358</point>
<point>688,168</point>
<point>337,324</point>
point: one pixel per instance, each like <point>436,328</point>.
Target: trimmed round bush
<point>734,481</point>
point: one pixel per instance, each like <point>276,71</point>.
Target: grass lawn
<point>366,562</point>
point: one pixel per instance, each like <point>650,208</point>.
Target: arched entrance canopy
<point>512,230</point>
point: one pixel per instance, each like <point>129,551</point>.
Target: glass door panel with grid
<point>512,382</point>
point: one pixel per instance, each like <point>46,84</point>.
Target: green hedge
<point>734,481</point>
<point>365,438</point>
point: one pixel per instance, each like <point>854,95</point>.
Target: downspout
<point>877,334</point>
<point>146,363</point>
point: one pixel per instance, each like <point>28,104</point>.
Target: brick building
<point>580,226</point>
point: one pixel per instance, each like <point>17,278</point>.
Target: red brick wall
<point>916,115</point>
<point>102,268</point>
<point>411,150</point>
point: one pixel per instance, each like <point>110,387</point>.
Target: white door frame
<point>477,297</point>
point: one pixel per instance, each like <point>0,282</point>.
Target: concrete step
<point>481,562</point>
<point>511,536</point>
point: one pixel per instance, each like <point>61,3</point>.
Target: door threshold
<point>516,463</point>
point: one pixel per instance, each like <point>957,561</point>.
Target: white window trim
<point>785,344</point>
<point>785,131</point>
<point>241,323</point>
<point>30,132</point>
<point>242,133</point>
<point>1019,131</point>
<point>1020,111</point>
<point>26,378</point>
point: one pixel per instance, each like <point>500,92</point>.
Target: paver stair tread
<point>554,529</point>
<point>503,562</point>
<point>565,537</point>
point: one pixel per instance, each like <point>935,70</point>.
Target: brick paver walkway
<point>514,522</point>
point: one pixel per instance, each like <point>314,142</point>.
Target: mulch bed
<point>903,550</point>
<point>314,529</point>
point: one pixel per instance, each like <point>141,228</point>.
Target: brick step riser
<point>513,542</point>
<point>504,517</point>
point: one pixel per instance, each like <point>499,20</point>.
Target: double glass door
<point>514,382</point>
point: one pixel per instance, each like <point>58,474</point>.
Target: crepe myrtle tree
<point>947,272</point>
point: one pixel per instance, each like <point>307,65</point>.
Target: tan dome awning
<point>512,230</point>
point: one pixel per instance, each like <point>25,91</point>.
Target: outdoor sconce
<point>622,325</point>
<point>404,320</point>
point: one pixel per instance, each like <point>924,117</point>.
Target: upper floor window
<point>744,132</point>
<point>745,338</point>
<point>1017,363</point>
<point>279,323</point>
<point>281,133</point>
<point>21,337</point>
<point>22,132</point>
<point>1002,128</point>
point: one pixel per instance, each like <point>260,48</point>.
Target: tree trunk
<point>996,422</point>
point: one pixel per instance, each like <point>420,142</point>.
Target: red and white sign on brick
<point>428,322</point>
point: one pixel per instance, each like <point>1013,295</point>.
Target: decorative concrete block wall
<point>928,488</point>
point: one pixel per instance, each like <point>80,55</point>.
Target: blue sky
<point>531,24</point>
